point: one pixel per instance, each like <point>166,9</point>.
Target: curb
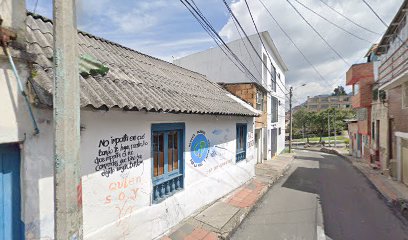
<point>320,233</point>
<point>250,209</point>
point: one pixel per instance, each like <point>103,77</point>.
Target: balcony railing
<point>396,64</point>
<point>167,187</point>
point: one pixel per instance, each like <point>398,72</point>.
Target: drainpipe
<point>5,37</point>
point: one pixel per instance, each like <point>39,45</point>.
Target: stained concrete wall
<point>15,124</point>
<point>119,205</point>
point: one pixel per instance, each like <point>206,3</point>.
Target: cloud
<point>329,65</point>
<point>165,29</point>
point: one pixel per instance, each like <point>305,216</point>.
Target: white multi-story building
<point>269,69</point>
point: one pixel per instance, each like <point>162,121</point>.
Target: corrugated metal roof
<point>135,81</point>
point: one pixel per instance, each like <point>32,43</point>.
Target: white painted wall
<point>113,211</point>
<point>280,95</point>
<point>217,67</point>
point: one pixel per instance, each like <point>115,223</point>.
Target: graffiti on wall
<point>118,154</point>
<point>219,166</point>
<point>122,196</point>
<point>199,148</point>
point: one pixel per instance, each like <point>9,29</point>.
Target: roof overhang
<point>386,39</point>
<point>255,113</point>
<point>395,82</point>
<point>271,44</point>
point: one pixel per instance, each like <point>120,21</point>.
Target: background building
<point>322,102</point>
<point>269,69</point>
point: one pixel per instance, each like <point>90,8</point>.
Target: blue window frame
<point>167,159</point>
<point>241,141</point>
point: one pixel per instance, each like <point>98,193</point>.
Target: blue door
<point>11,226</point>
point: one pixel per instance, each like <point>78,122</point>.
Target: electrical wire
<point>294,44</point>
<point>243,41</point>
<point>375,13</point>
<point>334,24</point>
<point>347,18</point>
<point>197,14</point>
<point>35,6</point>
<point>317,32</point>
<point>260,39</point>
<point>246,35</point>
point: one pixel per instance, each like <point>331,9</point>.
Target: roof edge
<point>279,59</point>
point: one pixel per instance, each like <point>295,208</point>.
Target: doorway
<point>274,141</point>
<point>258,145</point>
<point>11,226</point>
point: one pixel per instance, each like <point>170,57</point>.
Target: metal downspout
<point>20,86</point>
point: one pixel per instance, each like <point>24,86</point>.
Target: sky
<point>166,30</point>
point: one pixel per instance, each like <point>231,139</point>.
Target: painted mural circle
<point>199,148</point>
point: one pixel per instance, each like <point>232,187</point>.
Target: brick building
<point>255,95</point>
<point>391,92</point>
<point>361,78</point>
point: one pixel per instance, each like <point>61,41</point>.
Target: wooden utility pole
<point>67,175</point>
<point>290,118</point>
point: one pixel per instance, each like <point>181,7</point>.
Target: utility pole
<point>328,127</point>
<point>67,175</point>
<point>290,119</point>
<point>334,126</point>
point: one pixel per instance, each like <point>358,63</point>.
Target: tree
<point>310,122</point>
<point>339,91</point>
<point>300,121</point>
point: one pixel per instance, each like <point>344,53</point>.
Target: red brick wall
<point>247,92</point>
<point>396,112</point>
<point>358,72</point>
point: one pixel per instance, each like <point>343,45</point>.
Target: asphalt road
<point>352,209</point>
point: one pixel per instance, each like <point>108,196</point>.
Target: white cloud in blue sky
<point>165,29</point>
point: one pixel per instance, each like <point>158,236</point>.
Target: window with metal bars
<point>168,160</point>
<point>241,141</point>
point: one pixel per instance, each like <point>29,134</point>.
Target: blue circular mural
<point>200,146</point>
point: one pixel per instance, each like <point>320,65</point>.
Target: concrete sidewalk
<point>396,193</point>
<point>220,219</point>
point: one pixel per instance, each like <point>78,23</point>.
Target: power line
<point>350,20</point>
<point>197,14</point>
<point>321,37</point>
<point>259,35</point>
<point>291,40</point>
<point>243,41</point>
<point>385,24</point>
<point>334,24</point>
<point>372,10</point>
<point>240,26</point>
<point>35,6</point>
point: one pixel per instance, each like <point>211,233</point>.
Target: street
<point>351,208</point>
